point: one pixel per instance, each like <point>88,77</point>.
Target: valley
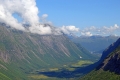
<point>71,71</point>
<point>108,67</point>
<point>59,40</point>
<point>44,57</point>
<point>95,44</point>
<point>23,53</point>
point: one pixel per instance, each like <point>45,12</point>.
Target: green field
<point>62,73</point>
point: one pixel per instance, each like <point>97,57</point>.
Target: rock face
<point>113,64</point>
<point>109,65</point>
<point>111,58</point>
<point>110,49</point>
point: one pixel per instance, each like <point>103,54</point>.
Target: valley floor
<point>67,72</point>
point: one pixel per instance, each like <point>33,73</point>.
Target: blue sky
<point>81,13</point>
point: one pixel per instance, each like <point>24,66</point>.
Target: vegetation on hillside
<point>23,52</point>
<point>109,69</point>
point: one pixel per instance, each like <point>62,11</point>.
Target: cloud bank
<point>89,31</point>
<point>28,11</point>
<point>69,29</point>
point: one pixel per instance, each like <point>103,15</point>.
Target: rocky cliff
<point>109,65</point>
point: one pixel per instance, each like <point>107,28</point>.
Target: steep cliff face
<point>109,65</point>
<point>112,61</point>
<point>110,49</point>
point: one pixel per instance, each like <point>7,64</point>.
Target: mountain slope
<point>109,69</point>
<point>95,44</point>
<point>23,52</point>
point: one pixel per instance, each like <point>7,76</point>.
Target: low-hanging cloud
<point>111,28</point>
<point>69,29</point>
<point>89,31</point>
<point>28,11</point>
<point>6,17</point>
<point>44,17</point>
<point>41,29</point>
<point>86,34</point>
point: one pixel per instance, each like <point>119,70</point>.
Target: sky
<point>79,17</point>
<point>81,13</point>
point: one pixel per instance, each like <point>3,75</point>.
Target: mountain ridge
<point>22,52</point>
<point>108,66</point>
<point>94,44</point>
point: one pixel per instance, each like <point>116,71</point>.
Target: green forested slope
<point>23,52</point>
<point>109,69</point>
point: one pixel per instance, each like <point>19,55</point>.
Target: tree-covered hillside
<point>23,52</point>
<point>109,68</point>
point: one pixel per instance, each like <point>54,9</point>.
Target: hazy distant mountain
<point>94,44</point>
<point>109,68</point>
<point>23,52</point>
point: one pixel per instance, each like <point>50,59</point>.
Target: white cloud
<point>101,30</point>
<point>69,29</point>
<point>41,29</point>
<point>86,33</point>
<point>25,8</point>
<point>6,17</point>
<point>28,11</point>
<point>111,28</point>
<point>44,16</point>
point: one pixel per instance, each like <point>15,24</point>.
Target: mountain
<point>94,44</point>
<point>109,68</point>
<point>23,52</point>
